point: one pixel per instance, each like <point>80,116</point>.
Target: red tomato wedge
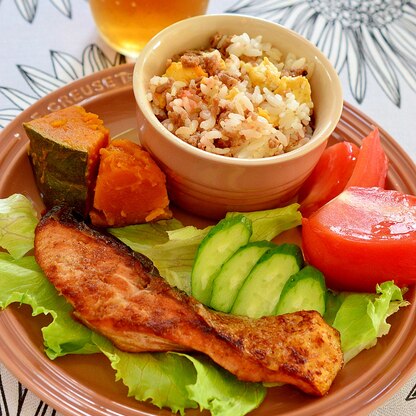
<point>372,163</point>
<point>329,177</point>
<point>362,237</point>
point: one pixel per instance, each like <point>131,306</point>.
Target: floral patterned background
<point>47,44</point>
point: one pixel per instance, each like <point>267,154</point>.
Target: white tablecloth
<point>46,44</point>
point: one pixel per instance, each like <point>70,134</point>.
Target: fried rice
<point>240,97</point>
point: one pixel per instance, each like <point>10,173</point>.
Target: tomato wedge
<point>341,166</point>
<point>372,163</point>
<point>362,237</point>
<point>329,177</point>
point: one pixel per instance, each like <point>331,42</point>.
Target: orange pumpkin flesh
<point>130,187</point>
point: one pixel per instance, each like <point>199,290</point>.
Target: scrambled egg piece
<point>265,75</point>
<point>271,118</point>
<point>232,93</point>
<point>185,74</point>
<point>299,86</point>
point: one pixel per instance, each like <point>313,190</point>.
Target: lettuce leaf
<point>268,224</point>
<point>18,220</point>
<point>22,281</point>
<point>183,381</point>
<point>361,318</point>
<point>173,249</point>
<point>160,378</point>
<point>141,237</point>
<point>220,392</point>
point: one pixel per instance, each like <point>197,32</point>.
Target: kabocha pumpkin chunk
<point>64,152</point>
<point>130,188</point>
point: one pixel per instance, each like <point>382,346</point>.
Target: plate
<point>84,385</point>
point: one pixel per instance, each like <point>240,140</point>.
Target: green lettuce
<point>22,281</point>
<point>172,252</point>
<point>183,381</point>
<point>172,248</point>
<point>161,378</point>
<point>220,392</point>
<point>142,237</point>
<point>268,224</point>
<point>361,317</point>
<point>17,225</point>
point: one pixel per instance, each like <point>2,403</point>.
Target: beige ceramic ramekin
<point>210,184</point>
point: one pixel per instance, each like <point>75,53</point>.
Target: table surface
<point>46,44</point>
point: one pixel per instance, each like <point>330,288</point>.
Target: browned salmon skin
<point>119,293</point>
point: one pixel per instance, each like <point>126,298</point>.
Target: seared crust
<point>119,293</point>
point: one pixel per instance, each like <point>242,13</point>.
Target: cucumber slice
<point>234,272</point>
<point>261,290</point>
<point>221,242</point>
<point>306,290</point>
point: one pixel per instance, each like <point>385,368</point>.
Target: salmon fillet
<point>120,294</point>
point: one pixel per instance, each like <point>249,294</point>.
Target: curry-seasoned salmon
<point>119,293</point>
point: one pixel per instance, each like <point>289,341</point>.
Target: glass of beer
<point>127,25</point>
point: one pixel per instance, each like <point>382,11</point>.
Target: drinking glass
<point>127,25</point>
